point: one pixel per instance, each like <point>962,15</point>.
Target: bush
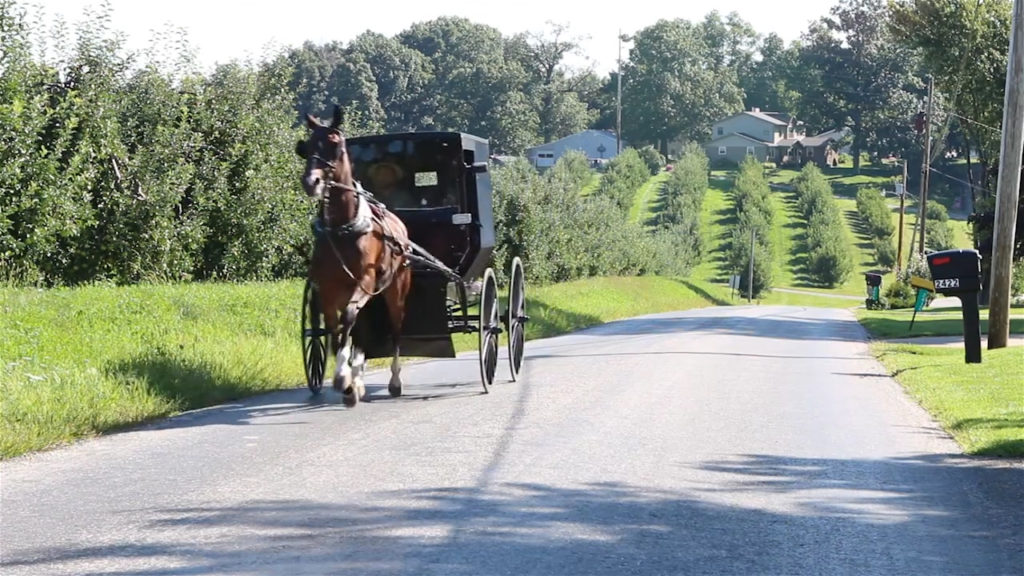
<point>751,196</point>
<point>829,260</point>
<point>885,252</point>
<point>938,235</point>
<point>626,173</point>
<point>901,295</point>
<point>562,236</point>
<point>875,213</point>
<point>654,160</point>
<point>1017,280</point>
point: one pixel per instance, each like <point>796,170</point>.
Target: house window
<point>810,152</point>
<point>719,130</point>
<point>750,150</point>
<point>722,150</point>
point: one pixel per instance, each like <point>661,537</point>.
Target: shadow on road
<point>791,516</point>
<point>776,325</point>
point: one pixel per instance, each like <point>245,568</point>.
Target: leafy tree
<point>554,90</point>
<point>771,83</point>
<point>672,88</point>
<point>402,76</point>
<point>473,78</point>
<point>857,75</point>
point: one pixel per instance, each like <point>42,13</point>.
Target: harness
<point>369,212</point>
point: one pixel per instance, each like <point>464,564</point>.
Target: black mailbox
<point>958,273</point>
<point>955,271</point>
<point>873,279</point>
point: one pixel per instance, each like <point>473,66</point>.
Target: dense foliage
<point>877,220</point>
<point>829,261</point>
<point>562,235</point>
<point>128,166</point>
<point>754,216</point>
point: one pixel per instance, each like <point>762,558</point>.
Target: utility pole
<point>1007,192</point>
<point>926,164</point>
<point>750,275</point>
<point>618,99</point>
<point>899,245</point>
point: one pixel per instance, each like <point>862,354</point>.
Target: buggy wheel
<point>515,321</point>
<point>490,328</point>
<point>314,339</point>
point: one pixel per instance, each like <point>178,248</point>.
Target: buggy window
<point>411,173</point>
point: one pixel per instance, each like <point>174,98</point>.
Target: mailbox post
<point>958,273</point>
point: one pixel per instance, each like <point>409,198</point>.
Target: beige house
<point>770,137</point>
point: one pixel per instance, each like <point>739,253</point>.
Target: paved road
<point>759,440</point>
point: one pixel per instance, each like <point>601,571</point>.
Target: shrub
<point>885,252</point>
<point>900,295</point>
<point>875,213</point>
<point>626,173</point>
<point>829,260</point>
<point>654,160</point>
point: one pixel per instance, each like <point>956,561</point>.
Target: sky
<point>222,30</point>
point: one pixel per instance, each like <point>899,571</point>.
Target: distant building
<point>771,137</point>
<point>598,145</point>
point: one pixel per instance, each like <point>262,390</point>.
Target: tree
<point>770,83</point>
<point>672,88</point>
<point>964,44</point>
<point>858,76</point>
<point>402,76</point>
<point>329,74</point>
<point>554,89</point>
<point>473,78</point>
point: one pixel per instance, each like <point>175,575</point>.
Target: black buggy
<point>438,184</point>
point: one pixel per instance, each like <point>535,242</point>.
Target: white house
<point>596,144</point>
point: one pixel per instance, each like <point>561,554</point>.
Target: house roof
<point>827,136</point>
<point>741,135</point>
<point>764,116</point>
<point>787,142</point>
<point>606,133</point>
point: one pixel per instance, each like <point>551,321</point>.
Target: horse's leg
<point>358,357</point>
<point>343,381</point>
<point>395,296</point>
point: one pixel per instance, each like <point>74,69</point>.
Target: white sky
<point>222,30</point>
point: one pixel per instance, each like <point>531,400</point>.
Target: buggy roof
<point>423,136</point>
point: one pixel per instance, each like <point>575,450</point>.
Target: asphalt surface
<point>740,440</point>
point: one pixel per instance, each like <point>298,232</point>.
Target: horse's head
<point>324,151</point>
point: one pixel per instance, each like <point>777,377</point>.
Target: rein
<point>360,225</point>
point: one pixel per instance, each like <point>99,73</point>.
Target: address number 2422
<point>946,283</point>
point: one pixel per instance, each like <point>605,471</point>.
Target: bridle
<point>357,226</point>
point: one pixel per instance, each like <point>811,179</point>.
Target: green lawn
<point>981,405</point>
<point>647,200</point>
<point>79,362</point>
<point>591,186</point>
<point>896,323</point>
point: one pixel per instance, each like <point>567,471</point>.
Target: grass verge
<point>981,405</point>
<point>645,201</point>
<point>885,324</point>
<point>79,362</point>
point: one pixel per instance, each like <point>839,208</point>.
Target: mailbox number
<point>946,283</point>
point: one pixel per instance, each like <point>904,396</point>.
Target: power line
<point>996,130</point>
<point>955,179</point>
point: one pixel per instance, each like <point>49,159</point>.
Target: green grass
<point>981,405</point>
<point>592,185</point>
<point>645,202</point>
<point>896,323</point>
<point>79,362</point>
<point>790,237</point>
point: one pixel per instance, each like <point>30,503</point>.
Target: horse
<point>358,252</point>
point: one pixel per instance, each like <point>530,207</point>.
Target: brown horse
<point>359,252</point>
